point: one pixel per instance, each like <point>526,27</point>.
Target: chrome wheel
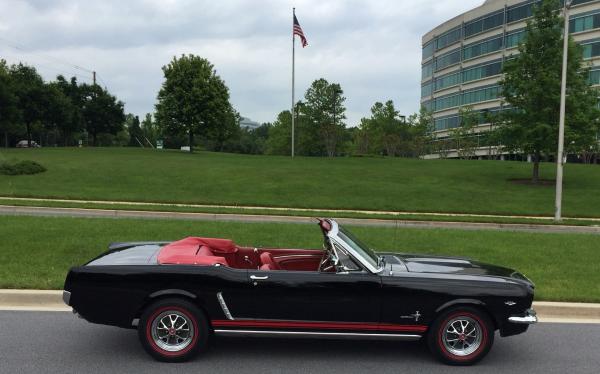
<point>172,331</point>
<point>462,336</point>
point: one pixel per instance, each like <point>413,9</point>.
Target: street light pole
<point>561,123</point>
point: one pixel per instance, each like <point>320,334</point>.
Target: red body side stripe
<point>320,325</point>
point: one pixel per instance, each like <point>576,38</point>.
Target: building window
<point>447,59</point>
<point>428,105</point>
<point>513,39</point>
<point>594,77</point>
<point>446,102</point>
<point>519,12</point>
<point>427,70</point>
<point>577,2</point>
<point>447,80</point>
<point>480,94</point>
<point>446,123</point>
<point>483,24</point>
<point>591,49</point>
<point>482,48</point>
<point>428,50</point>
<point>448,38</point>
<point>480,72</point>
<point>588,22</point>
<point>454,121</point>
<point>427,89</point>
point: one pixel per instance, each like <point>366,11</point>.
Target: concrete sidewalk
<point>117,213</point>
<point>50,300</point>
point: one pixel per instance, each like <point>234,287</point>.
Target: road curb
<point>51,300</point>
<point>225,217</point>
<point>31,299</point>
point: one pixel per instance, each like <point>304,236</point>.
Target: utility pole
<point>561,121</point>
<point>94,77</point>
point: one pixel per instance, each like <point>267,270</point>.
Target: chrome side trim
<point>224,306</point>
<point>313,334</point>
<point>296,256</point>
<point>529,318</point>
<point>66,297</point>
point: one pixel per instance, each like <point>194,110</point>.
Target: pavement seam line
<point>108,213</point>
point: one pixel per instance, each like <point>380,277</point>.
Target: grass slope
<point>36,252</point>
<point>354,183</point>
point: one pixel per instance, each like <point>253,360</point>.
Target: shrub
<point>21,168</point>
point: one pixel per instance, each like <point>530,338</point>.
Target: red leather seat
<point>189,254</point>
<point>204,251</point>
<point>268,262</point>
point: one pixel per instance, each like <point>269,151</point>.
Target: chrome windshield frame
<point>333,235</point>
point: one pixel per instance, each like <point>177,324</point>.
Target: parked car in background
<point>178,294</point>
<point>25,144</point>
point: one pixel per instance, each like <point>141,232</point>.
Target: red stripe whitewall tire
<point>461,336</point>
<point>173,330</point>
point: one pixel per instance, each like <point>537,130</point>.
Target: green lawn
<point>356,183</point>
<point>36,252</point>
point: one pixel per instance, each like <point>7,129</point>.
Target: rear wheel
<point>173,330</point>
<point>461,336</point>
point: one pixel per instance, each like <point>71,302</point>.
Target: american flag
<point>298,31</point>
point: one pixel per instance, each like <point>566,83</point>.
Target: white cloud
<point>372,48</point>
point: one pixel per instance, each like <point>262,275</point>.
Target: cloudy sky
<point>372,48</point>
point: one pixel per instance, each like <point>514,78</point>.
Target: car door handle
<point>258,277</point>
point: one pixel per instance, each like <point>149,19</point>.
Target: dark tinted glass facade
<point>483,24</point>
<point>483,47</point>
<point>483,71</point>
<point>428,49</point>
<point>447,80</point>
<point>583,23</point>
<point>464,63</point>
<point>448,38</point>
<point>447,59</point>
<point>591,49</point>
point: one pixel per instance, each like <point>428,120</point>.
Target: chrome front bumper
<point>528,318</point>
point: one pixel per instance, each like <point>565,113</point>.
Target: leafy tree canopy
<point>531,86</point>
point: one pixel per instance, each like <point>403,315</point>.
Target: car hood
<point>415,263</point>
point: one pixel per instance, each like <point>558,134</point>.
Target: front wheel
<point>173,330</point>
<point>461,336</point>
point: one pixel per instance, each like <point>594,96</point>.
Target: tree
<point>101,112</point>
<point>421,128</point>
<point>193,99</point>
<point>279,141</point>
<point>227,129</point>
<point>325,111</point>
<point>58,113</point>
<point>386,130</point>
<point>135,131</point>
<point>73,92</point>
<point>150,130</point>
<point>531,85</point>
<point>29,90</point>
<point>9,111</point>
<point>464,135</point>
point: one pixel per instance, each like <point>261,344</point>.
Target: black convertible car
<point>179,294</point>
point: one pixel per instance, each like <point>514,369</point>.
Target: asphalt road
<point>59,342</point>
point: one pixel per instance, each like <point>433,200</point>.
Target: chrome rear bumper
<point>528,318</point>
<point>66,297</point>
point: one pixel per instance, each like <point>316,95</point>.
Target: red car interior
<point>212,251</point>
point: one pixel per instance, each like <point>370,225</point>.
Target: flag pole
<point>293,72</point>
